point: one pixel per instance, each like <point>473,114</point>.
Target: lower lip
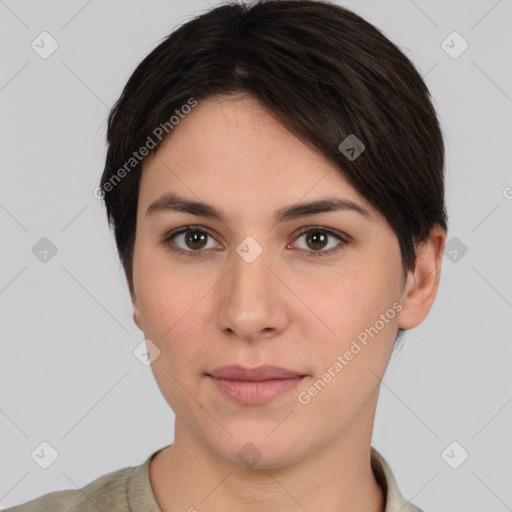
<point>252,392</point>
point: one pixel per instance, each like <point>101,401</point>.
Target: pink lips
<point>254,386</point>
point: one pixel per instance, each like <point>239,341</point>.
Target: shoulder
<point>395,501</point>
<point>108,492</point>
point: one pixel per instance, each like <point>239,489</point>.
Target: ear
<point>422,283</point>
<point>136,311</point>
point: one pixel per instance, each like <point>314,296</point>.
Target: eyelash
<point>309,254</point>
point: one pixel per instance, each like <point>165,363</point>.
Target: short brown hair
<point>325,73</point>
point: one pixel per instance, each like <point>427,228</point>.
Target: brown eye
<point>195,239</point>
<point>191,240</point>
<point>316,239</point>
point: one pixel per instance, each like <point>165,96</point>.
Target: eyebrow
<point>171,202</point>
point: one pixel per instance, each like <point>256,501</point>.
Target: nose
<point>252,299</point>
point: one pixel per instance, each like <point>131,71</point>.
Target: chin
<point>256,449</point>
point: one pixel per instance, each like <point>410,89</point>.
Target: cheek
<point>174,309</point>
<point>163,296</point>
<point>343,304</point>
<point>358,326</point>
<point>171,323</point>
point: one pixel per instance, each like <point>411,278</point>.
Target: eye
<point>193,237</point>
<point>317,238</point>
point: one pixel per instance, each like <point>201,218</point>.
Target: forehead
<point>232,150</point>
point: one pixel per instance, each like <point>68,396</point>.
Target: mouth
<point>254,386</point>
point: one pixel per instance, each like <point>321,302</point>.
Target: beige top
<point>129,490</point>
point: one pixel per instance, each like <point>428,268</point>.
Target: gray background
<point>68,375</point>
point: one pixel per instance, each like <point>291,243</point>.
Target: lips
<point>261,373</point>
<point>254,386</point>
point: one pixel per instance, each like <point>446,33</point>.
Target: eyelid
<point>330,231</point>
<point>168,238</point>
<point>343,238</point>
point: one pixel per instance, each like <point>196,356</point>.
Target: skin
<point>284,309</point>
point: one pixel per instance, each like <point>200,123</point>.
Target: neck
<point>188,475</point>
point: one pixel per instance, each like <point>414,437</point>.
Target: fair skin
<point>283,308</point>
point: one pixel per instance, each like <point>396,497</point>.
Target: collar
<point>141,497</point>
<point>394,500</point>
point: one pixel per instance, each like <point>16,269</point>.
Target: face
<point>317,293</point>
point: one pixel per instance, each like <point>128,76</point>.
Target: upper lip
<point>264,372</point>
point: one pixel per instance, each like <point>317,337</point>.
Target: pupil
<point>196,237</point>
<point>316,237</point>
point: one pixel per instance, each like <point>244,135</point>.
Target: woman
<point>274,178</point>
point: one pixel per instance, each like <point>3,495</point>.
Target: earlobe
<point>136,318</point>
<point>136,311</point>
<point>422,283</point>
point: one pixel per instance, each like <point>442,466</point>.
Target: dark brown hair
<point>324,72</point>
